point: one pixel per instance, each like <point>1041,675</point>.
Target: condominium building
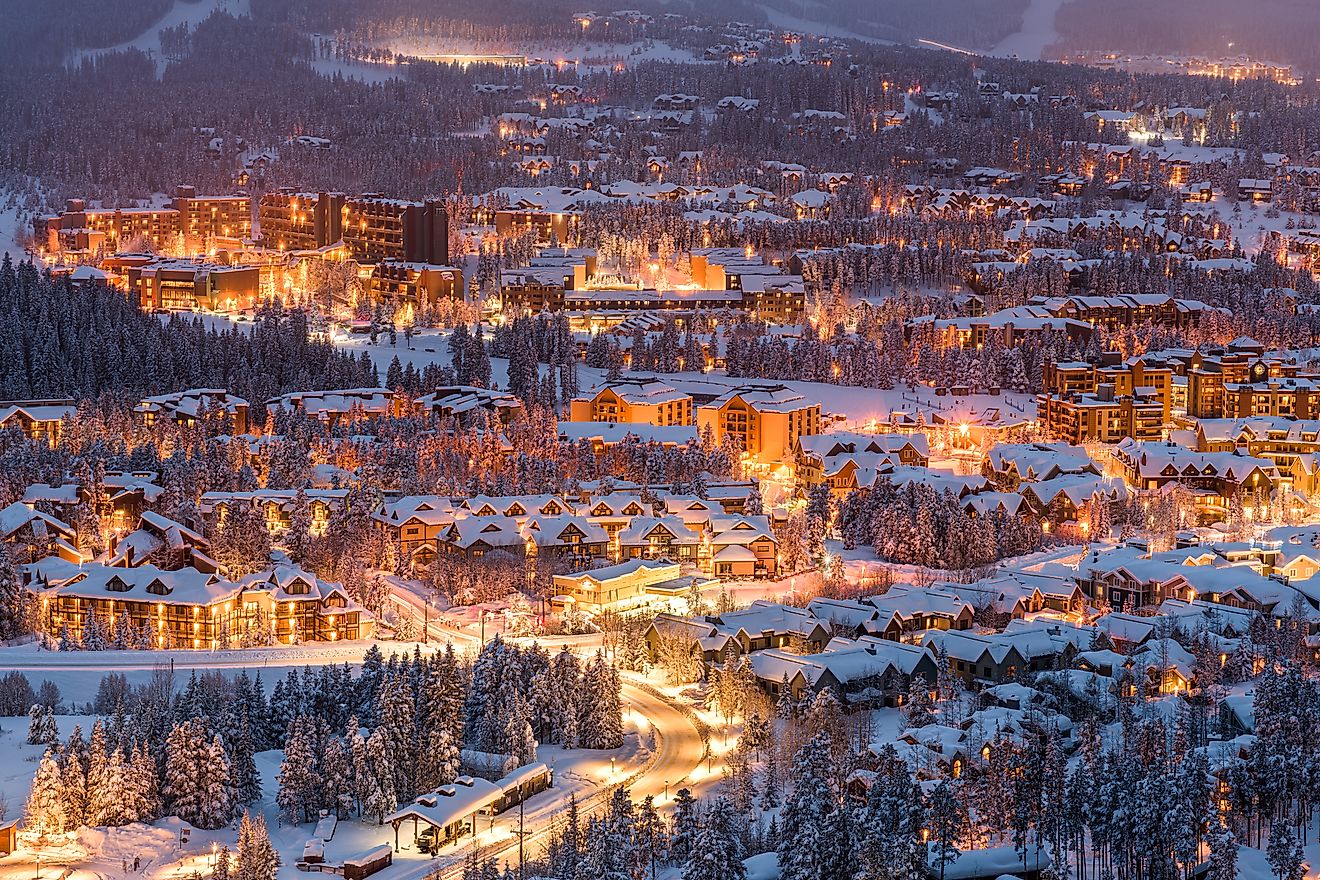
<point>418,284</point>
<point>186,608</point>
<point>765,420</point>
<point>187,285</point>
<point>1084,402</point>
<point>372,227</point>
<point>188,220</point>
<point>638,402</point>
<point>193,405</point>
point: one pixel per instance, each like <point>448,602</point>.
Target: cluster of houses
<point>164,604</point>
<point>629,523</point>
<point>1122,622</point>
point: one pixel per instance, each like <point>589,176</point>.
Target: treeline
<point>59,340</point>
<point>355,745</point>
<point>917,524</point>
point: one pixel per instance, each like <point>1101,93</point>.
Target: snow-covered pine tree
<point>717,853</point>
<point>299,794</point>
<point>45,805</point>
<point>380,772</point>
<point>256,857</point>
<point>685,825</point>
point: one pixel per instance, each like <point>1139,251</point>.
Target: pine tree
<point>919,711</point>
<point>811,819</point>
<point>299,784</point>
<point>1284,852</point>
<point>45,805</point>
<point>336,777</point>
<point>198,779</point>
<point>13,597</point>
<point>380,799</point>
<point>247,781</point>
<point>945,825</point>
<point>222,870</point>
<point>41,725</point>
<point>143,792</point>
<point>109,804</point>
<point>73,781</point>
<point>685,824</point>
<point>257,859</point>
<point>397,729</point>
<point>1223,852</point>
<point>717,853</point>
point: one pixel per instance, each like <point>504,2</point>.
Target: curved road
<point>679,750</point>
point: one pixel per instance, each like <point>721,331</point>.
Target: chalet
<point>477,536</point>
<point>863,673</point>
<point>30,535</point>
<point>416,524</point>
<point>977,660</point>
<point>650,537</point>
<point>332,406</point>
<point>160,541</point>
<point>278,507</point>
<point>517,506</point>
<point>37,419</point>
<point>918,609</point>
<point>193,406</point>
<point>575,539</point>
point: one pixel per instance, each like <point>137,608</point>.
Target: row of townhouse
<point>191,608</point>
<point>1215,479</point>
<point>1061,496</point>
<point>1292,444</point>
<point>609,528</point>
<point>460,402</point>
<point>872,652</point>
<point>1254,578</point>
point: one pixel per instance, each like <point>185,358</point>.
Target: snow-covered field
<point>189,12</point>
<point>1037,34</point>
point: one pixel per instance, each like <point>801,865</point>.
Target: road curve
<point>679,750</point>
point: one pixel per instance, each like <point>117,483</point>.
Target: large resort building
<point>564,280</point>
<point>637,402</point>
<point>766,421</point>
<point>146,606</point>
<point>81,229</point>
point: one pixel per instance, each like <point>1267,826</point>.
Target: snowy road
<point>675,761</point>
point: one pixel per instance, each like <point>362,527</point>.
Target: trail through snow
<point>1037,34</point>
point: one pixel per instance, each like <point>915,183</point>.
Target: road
<point>679,751</point>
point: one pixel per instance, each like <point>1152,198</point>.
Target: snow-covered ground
<point>363,71</point>
<point>99,854</point>
<point>10,229</point>
<point>781,19</point>
<point>1037,34</point>
<point>189,12</point>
